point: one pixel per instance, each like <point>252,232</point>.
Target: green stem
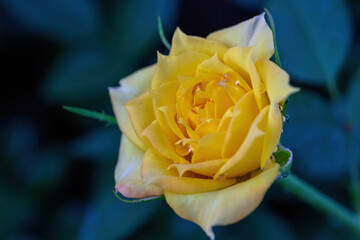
<point>320,201</point>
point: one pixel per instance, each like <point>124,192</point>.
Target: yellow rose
<point>200,126</point>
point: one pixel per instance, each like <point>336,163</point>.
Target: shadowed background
<point>56,168</point>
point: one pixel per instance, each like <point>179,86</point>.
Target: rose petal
<point>128,172</point>
<point>161,143</point>
<point>154,170</point>
<point>170,67</point>
<point>272,133</point>
<point>247,158</point>
<point>276,81</point>
<point>253,32</point>
<point>239,58</point>
<point>213,65</point>
<point>141,112</point>
<point>182,43</point>
<point>224,206</point>
<point>207,168</point>
<point>244,114</point>
<point>209,147</point>
<point>131,87</point>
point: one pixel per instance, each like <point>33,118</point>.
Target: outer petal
<point>141,112</point>
<point>154,170</point>
<point>224,206</point>
<point>131,87</point>
<point>276,81</point>
<point>272,133</point>
<point>182,43</point>
<point>252,32</point>
<point>128,172</point>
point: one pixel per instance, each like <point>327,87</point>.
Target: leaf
<point>82,75</point>
<point>108,218</point>
<point>315,137</point>
<point>61,20</point>
<point>353,99</point>
<point>313,37</point>
<point>284,157</point>
<point>102,117</point>
<point>98,145</point>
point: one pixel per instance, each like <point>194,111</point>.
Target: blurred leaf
<point>272,227</point>
<point>135,32</point>
<point>108,218</point>
<point>81,75</point>
<point>353,98</point>
<point>98,145</point>
<point>315,137</point>
<point>102,117</point>
<point>313,37</point>
<point>62,20</point>
<point>84,74</point>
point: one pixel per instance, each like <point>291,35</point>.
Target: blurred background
<point>56,168</point>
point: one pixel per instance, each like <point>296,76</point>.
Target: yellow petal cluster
<point>200,125</point>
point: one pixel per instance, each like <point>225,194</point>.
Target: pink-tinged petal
<point>128,172</point>
<point>131,87</point>
<point>155,170</point>
<point>225,206</point>
<point>253,32</point>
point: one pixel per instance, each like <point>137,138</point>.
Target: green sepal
<point>284,157</point>
<point>162,35</point>
<point>272,26</point>
<point>139,200</point>
<point>102,117</point>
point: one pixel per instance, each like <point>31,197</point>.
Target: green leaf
<point>140,200</point>
<point>102,117</point>
<point>313,38</point>
<point>284,157</point>
<point>162,35</point>
<point>315,137</point>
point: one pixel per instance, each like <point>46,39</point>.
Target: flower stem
<point>320,201</point>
